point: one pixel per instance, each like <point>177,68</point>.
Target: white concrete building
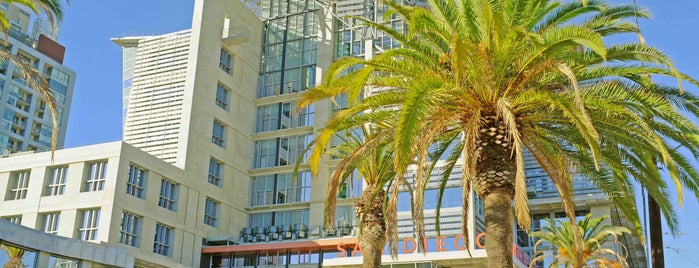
<point>26,123</point>
<point>46,250</point>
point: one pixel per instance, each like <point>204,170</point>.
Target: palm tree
<point>34,78</point>
<point>599,237</point>
<point>497,77</point>
<point>15,256</point>
<point>375,165</point>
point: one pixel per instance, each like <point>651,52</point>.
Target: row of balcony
<point>289,232</point>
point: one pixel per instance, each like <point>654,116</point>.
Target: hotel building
<point>26,123</point>
<point>212,133</point>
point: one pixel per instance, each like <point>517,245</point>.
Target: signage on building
<point>442,244</point>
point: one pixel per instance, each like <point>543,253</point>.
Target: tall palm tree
<point>373,161</point>
<point>510,75</point>
<point>600,245</point>
<point>15,256</point>
<point>34,78</point>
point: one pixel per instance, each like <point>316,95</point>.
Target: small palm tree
<point>370,153</point>
<point>33,77</point>
<point>15,256</point>
<point>600,245</point>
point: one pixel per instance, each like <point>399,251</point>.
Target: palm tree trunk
<point>656,234</point>
<point>372,235</point>
<point>495,185</point>
<point>498,227</point>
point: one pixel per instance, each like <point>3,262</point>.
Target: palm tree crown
<point>600,244</point>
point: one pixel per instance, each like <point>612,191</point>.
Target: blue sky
<point>96,109</point>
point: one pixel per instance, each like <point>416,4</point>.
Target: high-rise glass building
<point>26,123</point>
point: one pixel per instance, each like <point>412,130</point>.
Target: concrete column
<point>42,259</point>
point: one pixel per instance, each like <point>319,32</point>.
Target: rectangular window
<point>61,262</point>
<point>50,221</point>
<point>56,181</point>
<point>163,239</point>
<point>89,224</point>
<point>136,182</point>
<point>130,229</point>
<point>352,187</point>
<point>283,116</point>
<point>211,212</point>
<point>215,172</point>
<point>95,176</point>
<point>280,151</point>
<point>16,219</point>
<point>280,189</point>
<point>218,134</point>
<point>279,218</point>
<point>226,62</point>
<point>18,186</point>
<point>168,195</point>
<point>222,97</point>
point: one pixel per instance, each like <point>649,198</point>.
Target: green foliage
<point>600,245</point>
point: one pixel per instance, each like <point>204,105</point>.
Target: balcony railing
<point>19,36</point>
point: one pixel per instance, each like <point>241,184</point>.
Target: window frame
<point>217,167</point>
<point>129,234</point>
<point>50,222</point>
<point>226,61</point>
<point>18,186</point>
<point>95,176</point>
<point>88,229</point>
<point>223,97</point>
<point>218,133</point>
<point>136,182</point>
<point>212,211</point>
<point>163,241</point>
<point>168,194</point>
<point>56,180</point>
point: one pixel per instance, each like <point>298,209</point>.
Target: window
<point>279,218</point>
<point>280,189</point>
<point>60,262</point>
<point>18,186</point>
<point>49,222</point>
<point>215,172</point>
<point>218,135</point>
<point>28,258</point>
<point>282,116</point>
<point>211,212</point>
<point>168,195</point>
<point>130,229</point>
<point>222,97</point>
<point>163,239</point>
<point>136,182</point>
<point>89,224</point>
<point>346,214</point>
<point>340,102</point>
<point>226,62</point>
<point>280,151</point>
<point>352,187</point>
<point>16,219</point>
<point>95,176</point>
<point>56,181</point>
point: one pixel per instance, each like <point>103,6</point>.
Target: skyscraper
<point>154,72</point>
<point>26,123</point>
